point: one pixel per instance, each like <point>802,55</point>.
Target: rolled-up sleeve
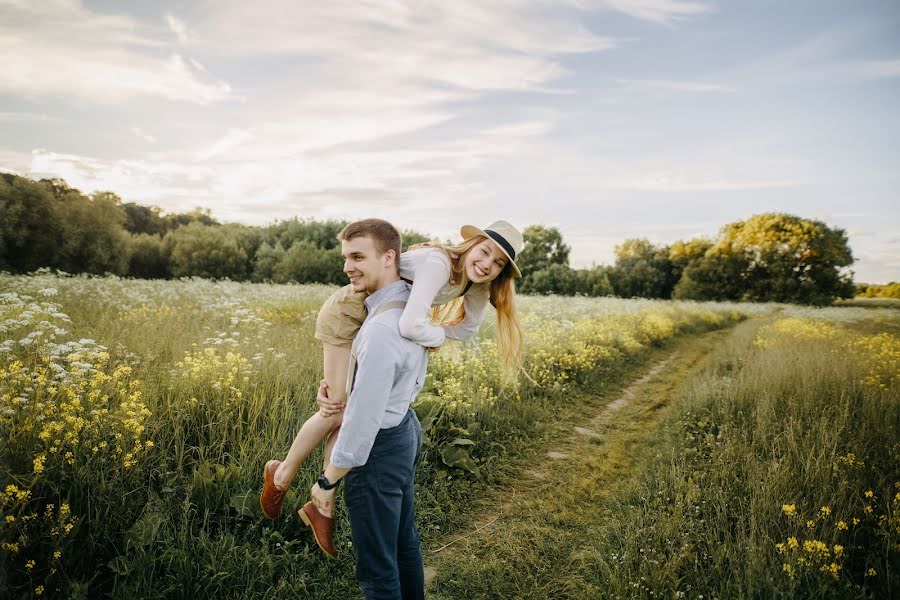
<point>377,363</point>
<point>415,322</point>
<point>476,302</point>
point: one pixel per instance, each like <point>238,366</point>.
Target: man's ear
<point>390,256</point>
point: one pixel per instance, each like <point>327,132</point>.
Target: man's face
<point>365,267</point>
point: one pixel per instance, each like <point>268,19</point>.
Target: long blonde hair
<point>502,296</point>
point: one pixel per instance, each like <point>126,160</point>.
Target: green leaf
<point>462,442</point>
<point>145,529</point>
<point>118,565</point>
<point>246,503</point>
<point>454,456</point>
<point>428,410</point>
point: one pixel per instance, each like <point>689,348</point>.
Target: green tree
<point>773,257</point>
<point>148,258</point>
<point>305,263</point>
<point>642,270</point>
<point>267,258</point>
<point>93,238</point>
<point>198,215</point>
<point>206,251</point>
<point>411,238</point>
<point>30,230</point>
<point>594,282</point>
<point>683,254</point>
<point>552,279</point>
<point>544,247</point>
<point>321,234</point>
<point>144,219</point>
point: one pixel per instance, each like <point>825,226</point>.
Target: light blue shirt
<point>390,373</point>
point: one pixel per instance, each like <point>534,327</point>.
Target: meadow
<point>135,418</point>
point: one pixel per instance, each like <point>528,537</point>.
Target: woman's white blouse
<point>429,270</point>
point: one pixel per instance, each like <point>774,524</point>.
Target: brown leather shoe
<point>272,498</point>
<point>322,528</point>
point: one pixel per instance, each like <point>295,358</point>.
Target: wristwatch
<point>325,484</point>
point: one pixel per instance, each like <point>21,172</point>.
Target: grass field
<point>136,416</point>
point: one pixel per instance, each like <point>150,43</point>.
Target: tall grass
<point>147,410</point>
<point>776,474</point>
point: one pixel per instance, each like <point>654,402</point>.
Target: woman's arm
<point>415,322</point>
<point>476,302</point>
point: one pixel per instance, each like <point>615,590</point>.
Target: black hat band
<point>503,243</point>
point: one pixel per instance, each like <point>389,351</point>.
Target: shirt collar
<point>391,291</point>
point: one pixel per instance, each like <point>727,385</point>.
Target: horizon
<point>608,119</point>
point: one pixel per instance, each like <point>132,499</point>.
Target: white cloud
<point>684,181</point>
<point>13,117</point>
<point>879,69</point>
<point>61,48</point>
<point>664,12</point>
<point>13,161</point>
<point>275,172</point>
<point>178,27</point>
<point>680,86</point>
<point>466,44</point>
<point>144,136</point>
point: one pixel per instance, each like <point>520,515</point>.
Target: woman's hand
<point>327,407</point>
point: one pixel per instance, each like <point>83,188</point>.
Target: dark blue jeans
<point>379,501</point>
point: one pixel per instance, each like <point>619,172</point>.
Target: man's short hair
<point>385,235</point>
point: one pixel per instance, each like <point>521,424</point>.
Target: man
<point>380,439</point>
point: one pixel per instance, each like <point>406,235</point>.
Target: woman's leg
<point>317,427</point>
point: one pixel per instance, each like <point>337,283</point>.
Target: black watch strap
<point>325,484</point>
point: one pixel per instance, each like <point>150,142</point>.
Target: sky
<point>609,119</point>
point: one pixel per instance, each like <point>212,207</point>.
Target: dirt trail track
<point>622,418</point>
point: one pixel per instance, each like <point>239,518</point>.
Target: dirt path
<point>526,533</point>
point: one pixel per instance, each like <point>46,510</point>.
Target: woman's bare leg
<point>317,427</point>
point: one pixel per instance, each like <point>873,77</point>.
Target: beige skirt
<point>341,317</point>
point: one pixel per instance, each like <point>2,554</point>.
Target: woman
<point>467,277</point>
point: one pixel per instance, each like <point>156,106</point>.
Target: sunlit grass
<point>170,396</point>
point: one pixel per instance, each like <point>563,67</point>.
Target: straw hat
<point>505,235</point>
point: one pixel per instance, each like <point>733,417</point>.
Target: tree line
<point>48,224</point>
<point>769,257</point>
<point>874,290</point>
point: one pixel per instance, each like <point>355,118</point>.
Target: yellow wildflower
<point>789,509</point>
<point>39,590</point>
<point>842,526</point>
<point>838,549</point>
<point>30,564</point>
<point>871,572</point>
<point>57,555</point>
<point>870,494</point>
<point>792,543</point>
<point>10,519</point>
<point>825,511</point>
<point>815,547</point>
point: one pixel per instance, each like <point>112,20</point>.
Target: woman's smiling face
<point>484,261</point>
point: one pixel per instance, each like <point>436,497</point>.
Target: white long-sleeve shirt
<point>390,373</point>
<point>429,270</point>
